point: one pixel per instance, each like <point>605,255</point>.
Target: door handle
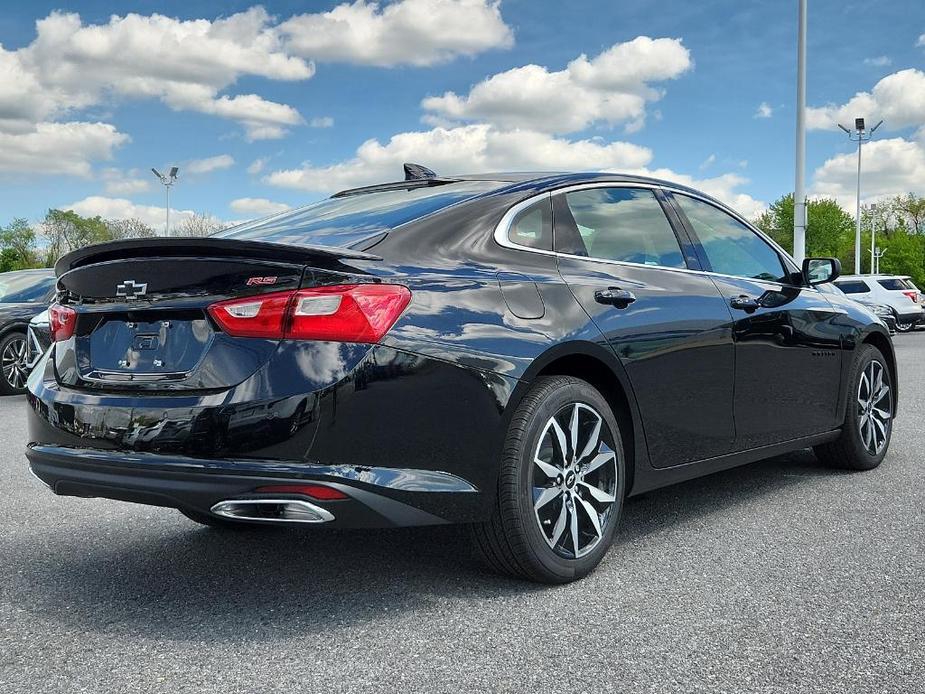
<point>745,303</point>
<point>614,296</point>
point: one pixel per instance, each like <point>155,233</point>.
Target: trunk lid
<point>142,318</point>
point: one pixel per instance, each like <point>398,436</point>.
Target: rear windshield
<point>853,287</point>
<point>895,284</point>
<point>25,287</point>
<point>347,221</point>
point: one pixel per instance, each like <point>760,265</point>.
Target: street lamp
<point>168,181</point>
<point>859,135</point>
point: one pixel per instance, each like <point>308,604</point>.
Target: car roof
<point>538,181</point>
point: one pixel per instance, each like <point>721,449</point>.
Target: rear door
<point>789,338</point>
<point>669,327</point>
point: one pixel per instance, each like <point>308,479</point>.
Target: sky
<point>273,105</point>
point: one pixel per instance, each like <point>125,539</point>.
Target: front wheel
<point>904,327</point>
<point>561,487</point>
<point>14,361</point>
<point>865,435</point>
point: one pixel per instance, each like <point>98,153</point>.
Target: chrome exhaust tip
<point>272,511</point>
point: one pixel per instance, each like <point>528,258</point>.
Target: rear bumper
<point>385,429</point>
<point>197,485</point>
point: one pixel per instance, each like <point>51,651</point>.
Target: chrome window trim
<point>503,227</point>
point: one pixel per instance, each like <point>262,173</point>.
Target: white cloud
<point>708,162</point>
<point>119,182</point>
<point>120,208</point>
<point>765,110</point>
<point>210,164</point>
<point>899,99</point>
<point>890,167</point>
<point>322,122</point>
<point>58,148</point>
<point>186,64</point>
<point>481,148</point>
<point>879,61</point>
<point>611,88</point>
<point>257,165</point>
<point>921,41</point>
<point>258,207</point>
<point>470,148</point>
<point>409,32</point>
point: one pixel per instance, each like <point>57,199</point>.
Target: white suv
<point>896,291</point>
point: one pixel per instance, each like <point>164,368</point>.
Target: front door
<point>787,337</point>
<point>669,327</point>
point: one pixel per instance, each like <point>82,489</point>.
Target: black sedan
<point>515,352</point>
<point>23,295</point>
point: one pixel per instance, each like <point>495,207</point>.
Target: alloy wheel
<point>904,327</point>
<point>874,406</point>
<point>574,480</point>
<point>15,363</point>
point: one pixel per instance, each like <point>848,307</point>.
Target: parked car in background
<point>23,294</point>
<point>895,291</point>
<point>516,352</point>
<point>39,334</point>
<point>882,311</point>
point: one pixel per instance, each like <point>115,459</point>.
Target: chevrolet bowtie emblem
<point>131,289</point>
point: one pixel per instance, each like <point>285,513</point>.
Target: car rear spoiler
<point>208,247</point>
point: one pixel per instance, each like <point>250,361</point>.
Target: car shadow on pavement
<point>167,578</point>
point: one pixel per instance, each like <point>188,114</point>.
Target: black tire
<point>14,360</point>
<point>852,450</point>
<point>520,541</point>
<point>218,522</point>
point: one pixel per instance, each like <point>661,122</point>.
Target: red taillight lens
<point>913,295</point>
<point>341,313</point>
<point>61,322</point>
<point>315,491</point>
<point>263,315</point>
<point>347,313</point>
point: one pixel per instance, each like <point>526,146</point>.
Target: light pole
<point>168,181</point>
<point>873,238</point>
<point>859,135</point>
<point>799,198</point>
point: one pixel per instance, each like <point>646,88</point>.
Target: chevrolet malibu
<point>519,353</point>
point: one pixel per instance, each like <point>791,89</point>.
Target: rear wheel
<point>904,327</point>
<point>14,364</point>
<point>865,436</point>
<point>561,486</point>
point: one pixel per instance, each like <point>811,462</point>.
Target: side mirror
<point>820,270</point>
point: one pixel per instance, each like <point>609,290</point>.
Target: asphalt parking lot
<point>778,577</point>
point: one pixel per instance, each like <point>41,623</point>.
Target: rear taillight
<point>341,313</point>
<point>61,322</point>
<point>913,295</point>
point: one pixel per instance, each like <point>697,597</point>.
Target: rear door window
<point>894,284</point>
<point>623,224</point>
<point>853,287</point>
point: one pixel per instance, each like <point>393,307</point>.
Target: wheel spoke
<point>880,394</point>
<point>592,515</point>
<point>867,432</point>
<point>560,437</point>
<point>597,461</point>
<point>573,430</point>
<point>593,440</point>
<point>559,527</point>
<point>545,496</point>
<point>574,527</point>
<point>598,494</point>
<point>549,470</point>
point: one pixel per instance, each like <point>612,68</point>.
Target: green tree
<point>828,226</point>
<point>17,246</point>
<point>65,231</point>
